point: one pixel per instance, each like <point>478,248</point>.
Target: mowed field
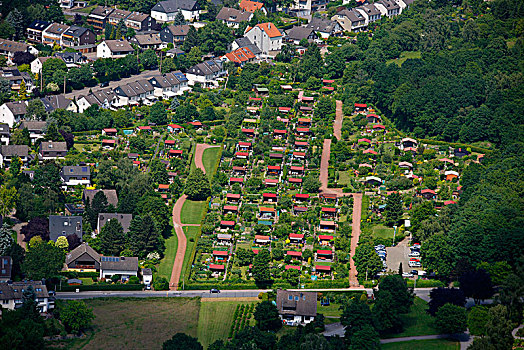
<point>139,323</point>
<point>216,317</point>
<point>434,344</point>
<point>209,158</point>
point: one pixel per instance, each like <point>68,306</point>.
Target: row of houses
<point>65,36</point>
<point>100,16</point>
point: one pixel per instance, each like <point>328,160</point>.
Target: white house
<point>296,308</point>
<point>11,295</point>
<point>73,175</point>
<point>118,265</point>
<point>206,73</point>
<point>350,20</point>
<point>370,12</point>
<point>147,277</point>
<point>12,112</point>
<point>10,152</point>
<point>388,8</point>
<point>233,17</point>
<point>266,36</point>
<point>37,64</point>
<point>114,49</point>
<point>165,11</point>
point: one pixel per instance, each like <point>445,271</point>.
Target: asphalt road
<point>113,84</point>
<point>146,294</point>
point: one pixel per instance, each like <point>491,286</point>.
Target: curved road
<point>177,223</point>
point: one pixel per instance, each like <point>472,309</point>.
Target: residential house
<point>6,264</point>
<point>37,64</point>
<point>325,27</point>
<point>83,259</point>
<point>350,20</point>
<point>298,33</point>
<point>52,35</point>
<point>114,49</point>
<point>239,56</point>
<point>174,34</point>
<point>116,16</point>
<point>111,195</point>
<point>428,194</point>
<point>98,17</point>
<point>64,226</point>
<point>147,41</point>
<point>233,17</point>
<point>35,30</point>
<point>12,294</point>
<point>73,175</point>
<point>72,59</point>
<point>12,112</point>
<point>166,85</point>
<point>140,22</point>
<point>147,277</point>
<point>9,152</point>
<point>53,102</point>
<point>103,98</point>
<point>388,8</point>
<point>52,150</point>
<point>165,11</point>
<point>74,209</point>
<point>133,93</point>
<point>370,12</point>
<point>206,73</point>
<point>8,48</point>
<point>15,78</point>
<point>296,308</point>
<point>123,219</point>
<point>301,8</point>
<point>252,6</point>
<point>266,36</point>
<point>118,265</point>
<point>78,38</point>
<point>245,42</point>
<point>5,134</point>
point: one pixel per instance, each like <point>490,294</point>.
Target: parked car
<point>414,272</point>
<point>414,259</point>
<point>214,290</point>
<point>414,253</point>
<point>407,274</point>
<point>415,264</point>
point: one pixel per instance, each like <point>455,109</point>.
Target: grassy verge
<point>331,310</point>
<point>166,264</point>
<point>192,212</point>
<point>209,159</point>
<point>140,323</point>
<point>215,319</point>
<point>404,56</point>
<point>382,231</point>
<point>192,233</point>
<point>433,344</point>
<point>416,322</point>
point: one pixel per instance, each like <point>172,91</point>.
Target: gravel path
<point>337,125</point>
<point>355,227</point>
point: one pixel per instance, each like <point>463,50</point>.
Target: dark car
<point>104,84</point>
<point>214,290</point>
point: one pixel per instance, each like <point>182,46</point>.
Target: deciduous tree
<point>266,316</point>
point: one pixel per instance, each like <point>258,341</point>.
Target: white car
<point>414,254</point>
<point>407,275</point>
<point>415,264</point>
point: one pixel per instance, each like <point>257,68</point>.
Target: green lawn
<point>86,281</point>
<point>166,264</point>
<point>215,319</point>
<point>209,159</point>
<point>404,56</point>
<point>382,231</point>
<point>192,212</point>
<point>331,310</point>
<point>433,344</point>
<point>344,178</point>
<point>192,233</point>
<point>417,321</point>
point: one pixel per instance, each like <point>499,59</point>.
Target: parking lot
<point>397,255</point>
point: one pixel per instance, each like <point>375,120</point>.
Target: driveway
<point>113,84</point>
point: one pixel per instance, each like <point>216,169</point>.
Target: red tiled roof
<point>369,151</point>
<point>269,195</point>
<point>248,144</point>
<point>302,195</point>
<point>236,179</point>
<point>325,237</point>
<point>110,130</point>
<point>175,126</point>
<point>175,151</point>
<point>241,154</point>
<point>284,109</point>
<point>144,128</point>
<point>329,210</point>
<point>227,223</point>
<point>265,209</point>
<point>308,98</point>
<point>304,120</point>
<point>230,207</point>
<point>293,253</point>
<point>109,141</point>
<point>255,251</point>
<point>249,131</point>
<point>261,237</point>
<point>169,142</point>
<point>294,180</point>
<point>269,28</point>
<point>239,168</point>
<point>449,202</point>
<point>301,143</point>
<point>292,267</point>
<point>273,167</point>
<point>299,154</point>
<point>251,6</point>
<point>216,267</point>
<point>372,115</point>
<point>322,268</point>
<point>297,168</point>
<point>364,140</point>
<point>324,252</point>
<point>220,252</point>
<point>302,129</point>
<point>163,187</point>
<point>271,181</point>
<point>233,195</point>
<point>296,235</point>
<point>195,123</point>
<point>330,88</point>
<point>255,99</point>
<point>427,190</point>
<point>278,131</point>
<point>379,126</point>
<point>328,81</point>
<point>361,105</point>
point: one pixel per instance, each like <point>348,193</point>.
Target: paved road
<point>113,84</point>
<point>399,254</point>
<point>337,125</point>
<point>355,227</point>
<point>146,294</point>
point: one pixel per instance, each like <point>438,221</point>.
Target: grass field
<point>417,321</point>
<point>382,231</point>
<point>192,233</point>
<point>215,319</point>
<point>433,344</point>
<point>192,212</point>
<point>139,323</point>
<point>331,310</point>
<point>404,56</point>
<point>209,159</point>
<point>344,178</point>
<point>92,146</point>
<point>166,264</point>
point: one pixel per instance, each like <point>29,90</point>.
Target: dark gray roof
<point>54,146</point>
<point>175,5</point>
<point>119,46</point>
<point>6,264</point>
<point>126,90</point>
<point>389,4</point>
<point>321,25</point>
<point>17,108</point>
<point>370,9</point>
<point>299,33</point>
<point>102,11</point>
<point>180,30</point>
<point>233,15</point>
<point>147,39</point>
<point>147,272</point>
<point>32,125</point>
<point>15,290</point>
<point>57,101</point>
<point>76,31</point>
<point>137,17</point>
<point>119,263</point>
<point>297,303</point>
<point>4,129</point>
<point>76,170</point>
<point>119,14</point>
<point>123,219</point>
<point>112,197</point>
<point>12,46</point>
<point>352,15</point>
<point>71,57</point>
<point>245,42</point>
<point>57,29</point>
<point>38,25</point>
<point>15,150</point>
<point>81,249</point>
<point>64,226</point>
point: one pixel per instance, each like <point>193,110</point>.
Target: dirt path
<point>19,236</point>
<point>337,125</point>
<point>355,227</point>
<point>199,152</point>
<point>324,165</point>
